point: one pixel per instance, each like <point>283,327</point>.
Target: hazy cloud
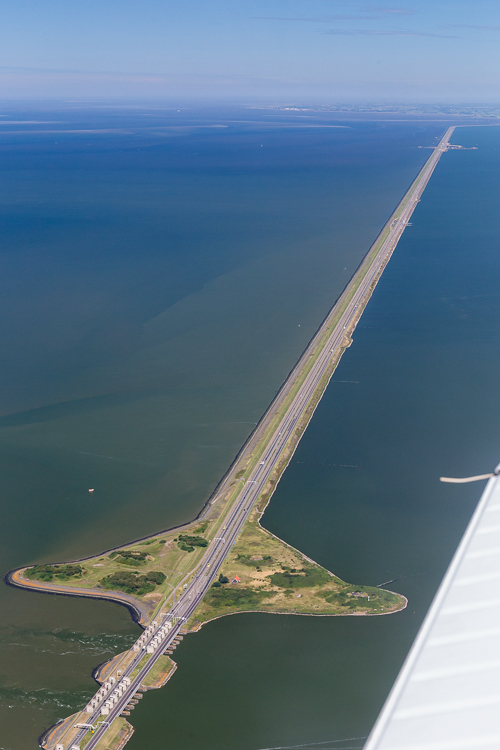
<point>365,14</point>
<point>362,8</point>
<point>322,19</point>
<point>385,32</point>
<point>470,26</point>
<point>390,11</point>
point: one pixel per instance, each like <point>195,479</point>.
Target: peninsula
<point>225,562</point>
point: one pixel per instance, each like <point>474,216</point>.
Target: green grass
<point>113,737</point>
<point>162,562</point>
<point>138,668</point>
<point>307,577</point>
<point>235,598</point>
<point>274,577</point>
<point>159,672</point>
<point>188,542</point>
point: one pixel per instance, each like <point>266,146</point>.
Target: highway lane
<point>259,477</point>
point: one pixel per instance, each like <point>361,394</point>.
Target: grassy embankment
<point>249,462</point>
<point>148,570</point>
<point>275,577</point>
<point>116,737</point>
<point>158,674</point>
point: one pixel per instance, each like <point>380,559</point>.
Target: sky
<point>281,50</point>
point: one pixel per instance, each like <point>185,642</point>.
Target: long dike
<point>263,458</point>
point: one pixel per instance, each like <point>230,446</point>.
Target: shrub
<point>311,577</point>
<point>188,542</point>
<point>131,557</point>
<point>156,576</point>
<point>133,582</point>
<point>49,572</point>
<point>246,560</point>
<point>196,541</point>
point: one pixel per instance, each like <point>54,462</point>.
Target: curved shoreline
<point>305,614</point>
<point>13,578</point>
<point>45,737</point>
<point>139,614</point>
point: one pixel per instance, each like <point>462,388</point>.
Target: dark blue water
<point>160,274</point>
<point>415,397</point>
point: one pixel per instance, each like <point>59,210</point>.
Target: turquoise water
<point>157,284</point>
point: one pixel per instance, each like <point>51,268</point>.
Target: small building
<point>236,579</point>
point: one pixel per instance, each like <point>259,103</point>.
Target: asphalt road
<point>253,487</point>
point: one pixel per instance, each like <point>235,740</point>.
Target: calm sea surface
<point>415,397</point>
<point>160,274</point>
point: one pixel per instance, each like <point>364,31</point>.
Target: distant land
<point>444,111</point>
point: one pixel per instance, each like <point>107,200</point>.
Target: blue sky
<point>317,50</point>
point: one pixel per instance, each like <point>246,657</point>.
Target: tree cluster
<point>220,581</point>
<point>133,582</point>
<point>129,556</point>
<point>188,542</point>
<point>49,572</point>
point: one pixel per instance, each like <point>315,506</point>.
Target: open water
<point>160,274</point>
